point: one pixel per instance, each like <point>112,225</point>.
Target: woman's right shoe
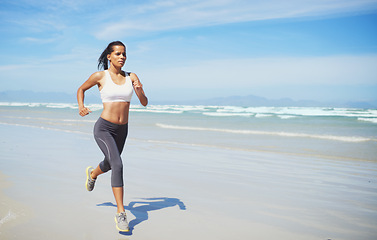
<point>89,180</point>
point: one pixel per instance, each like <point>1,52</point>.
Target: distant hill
<point>255,101</point>
<point>249,101</point>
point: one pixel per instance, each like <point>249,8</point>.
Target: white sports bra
<point>112,92</point>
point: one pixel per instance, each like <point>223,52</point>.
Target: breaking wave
<point>354,139</point>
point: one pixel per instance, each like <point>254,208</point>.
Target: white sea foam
<point>154,111</point>
<point>224,114</point>
<point>373,120</point>
<point>302,111</point>
<point>78,120</point>
<point>286,116</point>
<point>169,109</point>
<point>14,104</point>
<point>61,105</point>
<point>10,216</point>
<point>281,134</point>
<point>263,115</point>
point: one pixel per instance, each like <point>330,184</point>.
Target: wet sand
<point>180,191</point>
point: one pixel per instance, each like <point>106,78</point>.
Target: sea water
<point>337,133</point>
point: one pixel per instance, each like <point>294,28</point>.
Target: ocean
<point>336,133</point>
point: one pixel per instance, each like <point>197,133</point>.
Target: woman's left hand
<point>139,89</point>
<point>137,85</point>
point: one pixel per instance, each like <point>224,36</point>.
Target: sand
<point>178,191</point>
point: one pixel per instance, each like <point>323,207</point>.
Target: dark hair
<point>102,60</point>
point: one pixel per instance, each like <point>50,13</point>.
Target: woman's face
<point>117,56</point>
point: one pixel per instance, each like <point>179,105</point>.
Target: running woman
<point>110,131</point>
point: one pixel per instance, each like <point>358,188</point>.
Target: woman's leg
<point>117,191</point>
<point>118,194</point>
<point>120,140</point>
<point>96,172</point>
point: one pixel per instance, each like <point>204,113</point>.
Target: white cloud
<point>58,73</point>
<point>39,40</point>
<point>166,15</point>
<point>248,73</point>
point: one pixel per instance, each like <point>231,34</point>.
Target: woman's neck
<point>115,70</point>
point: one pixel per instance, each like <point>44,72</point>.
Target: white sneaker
<point>121,222</point>
<point>89,180</point>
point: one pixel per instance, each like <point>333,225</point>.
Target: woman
<point>110,131</point>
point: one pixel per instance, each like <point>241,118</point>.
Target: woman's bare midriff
<point>116,112</point>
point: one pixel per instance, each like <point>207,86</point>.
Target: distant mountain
<point>249,101</point>
<point>255,101</point>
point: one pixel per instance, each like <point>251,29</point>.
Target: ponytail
<point>103,62</point>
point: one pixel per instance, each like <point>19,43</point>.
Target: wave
<point>373,120</point>
<point>93,107</point>
<point>155,111</point>
<point>219,114</point>
<point>301,111</point>
<point>286,116</point>
<point>280,134</point>
<point>225,111</point>
<point>263,115</point>
<point>259,112</point>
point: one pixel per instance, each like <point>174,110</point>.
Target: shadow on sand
<point>141,208</point>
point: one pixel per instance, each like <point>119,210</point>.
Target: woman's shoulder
<point>97,75</point>
<point>132,75</point>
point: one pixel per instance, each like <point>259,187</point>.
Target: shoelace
<point>122,217</point>
<point>91,182</point>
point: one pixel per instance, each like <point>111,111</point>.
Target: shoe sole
<point>120,230</point>
<point>87,178</point>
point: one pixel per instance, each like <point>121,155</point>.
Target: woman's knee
<point>117,166</point>
<point>117,175</point>
<point>104,166</point>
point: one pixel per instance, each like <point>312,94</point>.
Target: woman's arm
<point>139,89</point>
<point>92,81</point>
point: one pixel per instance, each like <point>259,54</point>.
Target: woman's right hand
<point>93,80</point>
<point>83,111</point>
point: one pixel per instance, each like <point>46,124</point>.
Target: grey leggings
<point>111,138</point>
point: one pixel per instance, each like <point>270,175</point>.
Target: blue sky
<point>323,50</point>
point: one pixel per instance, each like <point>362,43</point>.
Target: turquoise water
<point>345,133</point>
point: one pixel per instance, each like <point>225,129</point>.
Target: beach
<point>192,172</point>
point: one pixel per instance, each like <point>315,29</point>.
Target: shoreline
<point>262,150</point>
<point>12,212</point>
